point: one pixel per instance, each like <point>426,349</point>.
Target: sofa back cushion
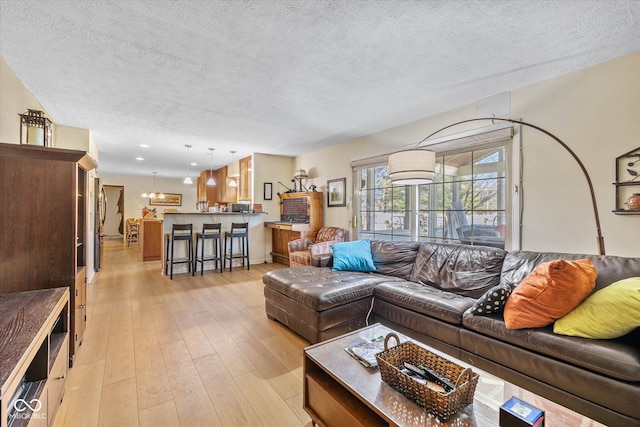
<point>394,258</point>
<point>462,269</point>
<point>518,264</point>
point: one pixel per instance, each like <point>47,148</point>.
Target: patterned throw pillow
<point>492,301</point>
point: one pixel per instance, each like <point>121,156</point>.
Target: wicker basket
<point>442,405</point>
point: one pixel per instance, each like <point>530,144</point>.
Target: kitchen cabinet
<point>43,222</point>
<point>209,192</point>
<point>151,240</point>
<point>246,174</point>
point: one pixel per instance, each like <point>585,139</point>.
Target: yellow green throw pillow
<point>611,312</point>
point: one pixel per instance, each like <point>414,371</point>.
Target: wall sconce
<point>35,128</point>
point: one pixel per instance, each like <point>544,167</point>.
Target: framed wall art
<point>170,199</point>
<point>336,189</point>
<point>268,191</point>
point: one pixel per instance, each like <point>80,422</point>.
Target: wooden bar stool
<point>239,230</point>
<point>180,233</point>
<point>209,232</point>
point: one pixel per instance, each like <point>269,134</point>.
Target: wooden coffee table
<point>339,391</point>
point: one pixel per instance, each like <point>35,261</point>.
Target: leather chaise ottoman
<point>318,303</point>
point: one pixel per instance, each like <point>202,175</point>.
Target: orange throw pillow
<point>549,292</point>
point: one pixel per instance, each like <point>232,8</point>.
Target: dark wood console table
<point>34,355</point>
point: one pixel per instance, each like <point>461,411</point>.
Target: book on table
<point>365,352</point>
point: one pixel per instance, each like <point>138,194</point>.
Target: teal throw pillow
<point>353,256</point>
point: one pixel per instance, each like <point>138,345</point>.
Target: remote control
<point>431,376</point>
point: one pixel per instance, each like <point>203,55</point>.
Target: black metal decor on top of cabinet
<point>43,224</point>
<point>627,185</point>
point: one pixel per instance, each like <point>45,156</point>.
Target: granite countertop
<point>23,315</point>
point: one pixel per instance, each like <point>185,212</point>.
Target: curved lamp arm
<point>601,249</point>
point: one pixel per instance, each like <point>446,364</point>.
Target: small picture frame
<point>336,189</point>
<point>268,191</point>
<point>170,199</point>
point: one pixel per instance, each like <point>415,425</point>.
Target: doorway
<point>114,212</point>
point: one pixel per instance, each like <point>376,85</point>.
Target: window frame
<point>502,134</point>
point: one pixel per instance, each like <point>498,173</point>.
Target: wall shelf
<point>627,180</point>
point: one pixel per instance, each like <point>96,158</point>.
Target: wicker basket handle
<point>464,376</point>
<point>386,340</point>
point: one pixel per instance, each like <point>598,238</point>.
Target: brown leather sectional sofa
<point>426,290</point>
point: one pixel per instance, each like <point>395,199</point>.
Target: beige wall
<point>15,99</point>
<point>269,168</point>
<point>134,186</point>
<point>595,111</point>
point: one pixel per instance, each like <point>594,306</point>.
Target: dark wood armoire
<point>43,224</point>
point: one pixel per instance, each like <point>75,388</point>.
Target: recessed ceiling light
<point>139,158</point>
<point>193,164</point>
<point>145,145</point>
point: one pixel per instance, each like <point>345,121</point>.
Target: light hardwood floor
<point>193,351</point>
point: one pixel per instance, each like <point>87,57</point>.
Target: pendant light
<point>153,194</point>
<point>211,181</point>
<point>187,180</point>
<point>233,182</point>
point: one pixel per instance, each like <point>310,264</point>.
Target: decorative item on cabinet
<point>627,183</point>
<point>35,128</point>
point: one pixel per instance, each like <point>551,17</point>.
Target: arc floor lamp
<point>417,166</point>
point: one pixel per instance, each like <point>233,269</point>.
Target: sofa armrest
<point>300,244</point>
<point>322,247</point>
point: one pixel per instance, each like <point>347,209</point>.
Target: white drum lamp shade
<point>412,167</point>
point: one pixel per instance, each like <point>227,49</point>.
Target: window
<point>384,209</point>
<point>467,202</point>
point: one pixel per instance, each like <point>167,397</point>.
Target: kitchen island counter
<point>257,235</point>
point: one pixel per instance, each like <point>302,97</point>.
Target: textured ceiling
<point>286,77</point>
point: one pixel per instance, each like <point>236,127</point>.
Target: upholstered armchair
<point>302,250</point>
